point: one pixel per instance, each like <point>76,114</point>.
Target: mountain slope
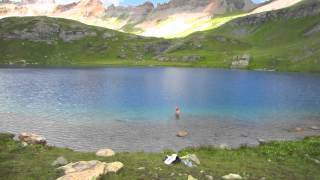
<point>54,41</point>
<point>282,40</point>
<point>286,39</point>
<point>186,16</point>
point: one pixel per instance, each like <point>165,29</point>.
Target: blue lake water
<point>151,94</point>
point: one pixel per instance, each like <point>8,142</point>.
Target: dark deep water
<point>54,99</point>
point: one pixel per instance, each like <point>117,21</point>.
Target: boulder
<point>60,161</point>
<point>88,170</point>
<point>231,177</point>
<point>105,152</point>
<point>182,133</point>
<point>114,167</point>
<point>31,138</point>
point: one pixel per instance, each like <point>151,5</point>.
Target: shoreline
<point>125,136</point>
<point>104,66</point>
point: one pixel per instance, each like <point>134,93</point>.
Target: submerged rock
<point>182,133</point>
<point>105,152</point>
<point>297,130</point>
<point>31,138</point>
<point>231,177</point>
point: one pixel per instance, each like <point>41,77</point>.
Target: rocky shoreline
<point>124,136</point>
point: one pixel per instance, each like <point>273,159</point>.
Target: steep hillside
<point>286,39</point>
<point>54,41</point>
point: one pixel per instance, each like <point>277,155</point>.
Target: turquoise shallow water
<point>151,94</point>
<point>132,109</point>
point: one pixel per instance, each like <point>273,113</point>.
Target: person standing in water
<point>178,112</point>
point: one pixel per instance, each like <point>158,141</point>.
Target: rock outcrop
<point>88,170</point>
<point>41,30</point>
<point>241,61</point>
<point>315,29</point>
<point>308,8</point>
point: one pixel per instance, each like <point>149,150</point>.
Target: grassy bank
<point>276,160</point>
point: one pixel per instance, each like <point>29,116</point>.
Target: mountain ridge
<point>187,16</point>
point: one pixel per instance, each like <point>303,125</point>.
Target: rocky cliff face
<point>309,8</point>
<point>42,30</point>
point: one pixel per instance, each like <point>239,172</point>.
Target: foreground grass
<point>276,160</point>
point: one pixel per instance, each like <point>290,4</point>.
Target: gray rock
<point>191,58</point>
<point>157,48</point>
<point>49,32</point>
<point>60,161</point>
<point>241,61</point>
<point>315,29</point>
<point>72,35</point>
